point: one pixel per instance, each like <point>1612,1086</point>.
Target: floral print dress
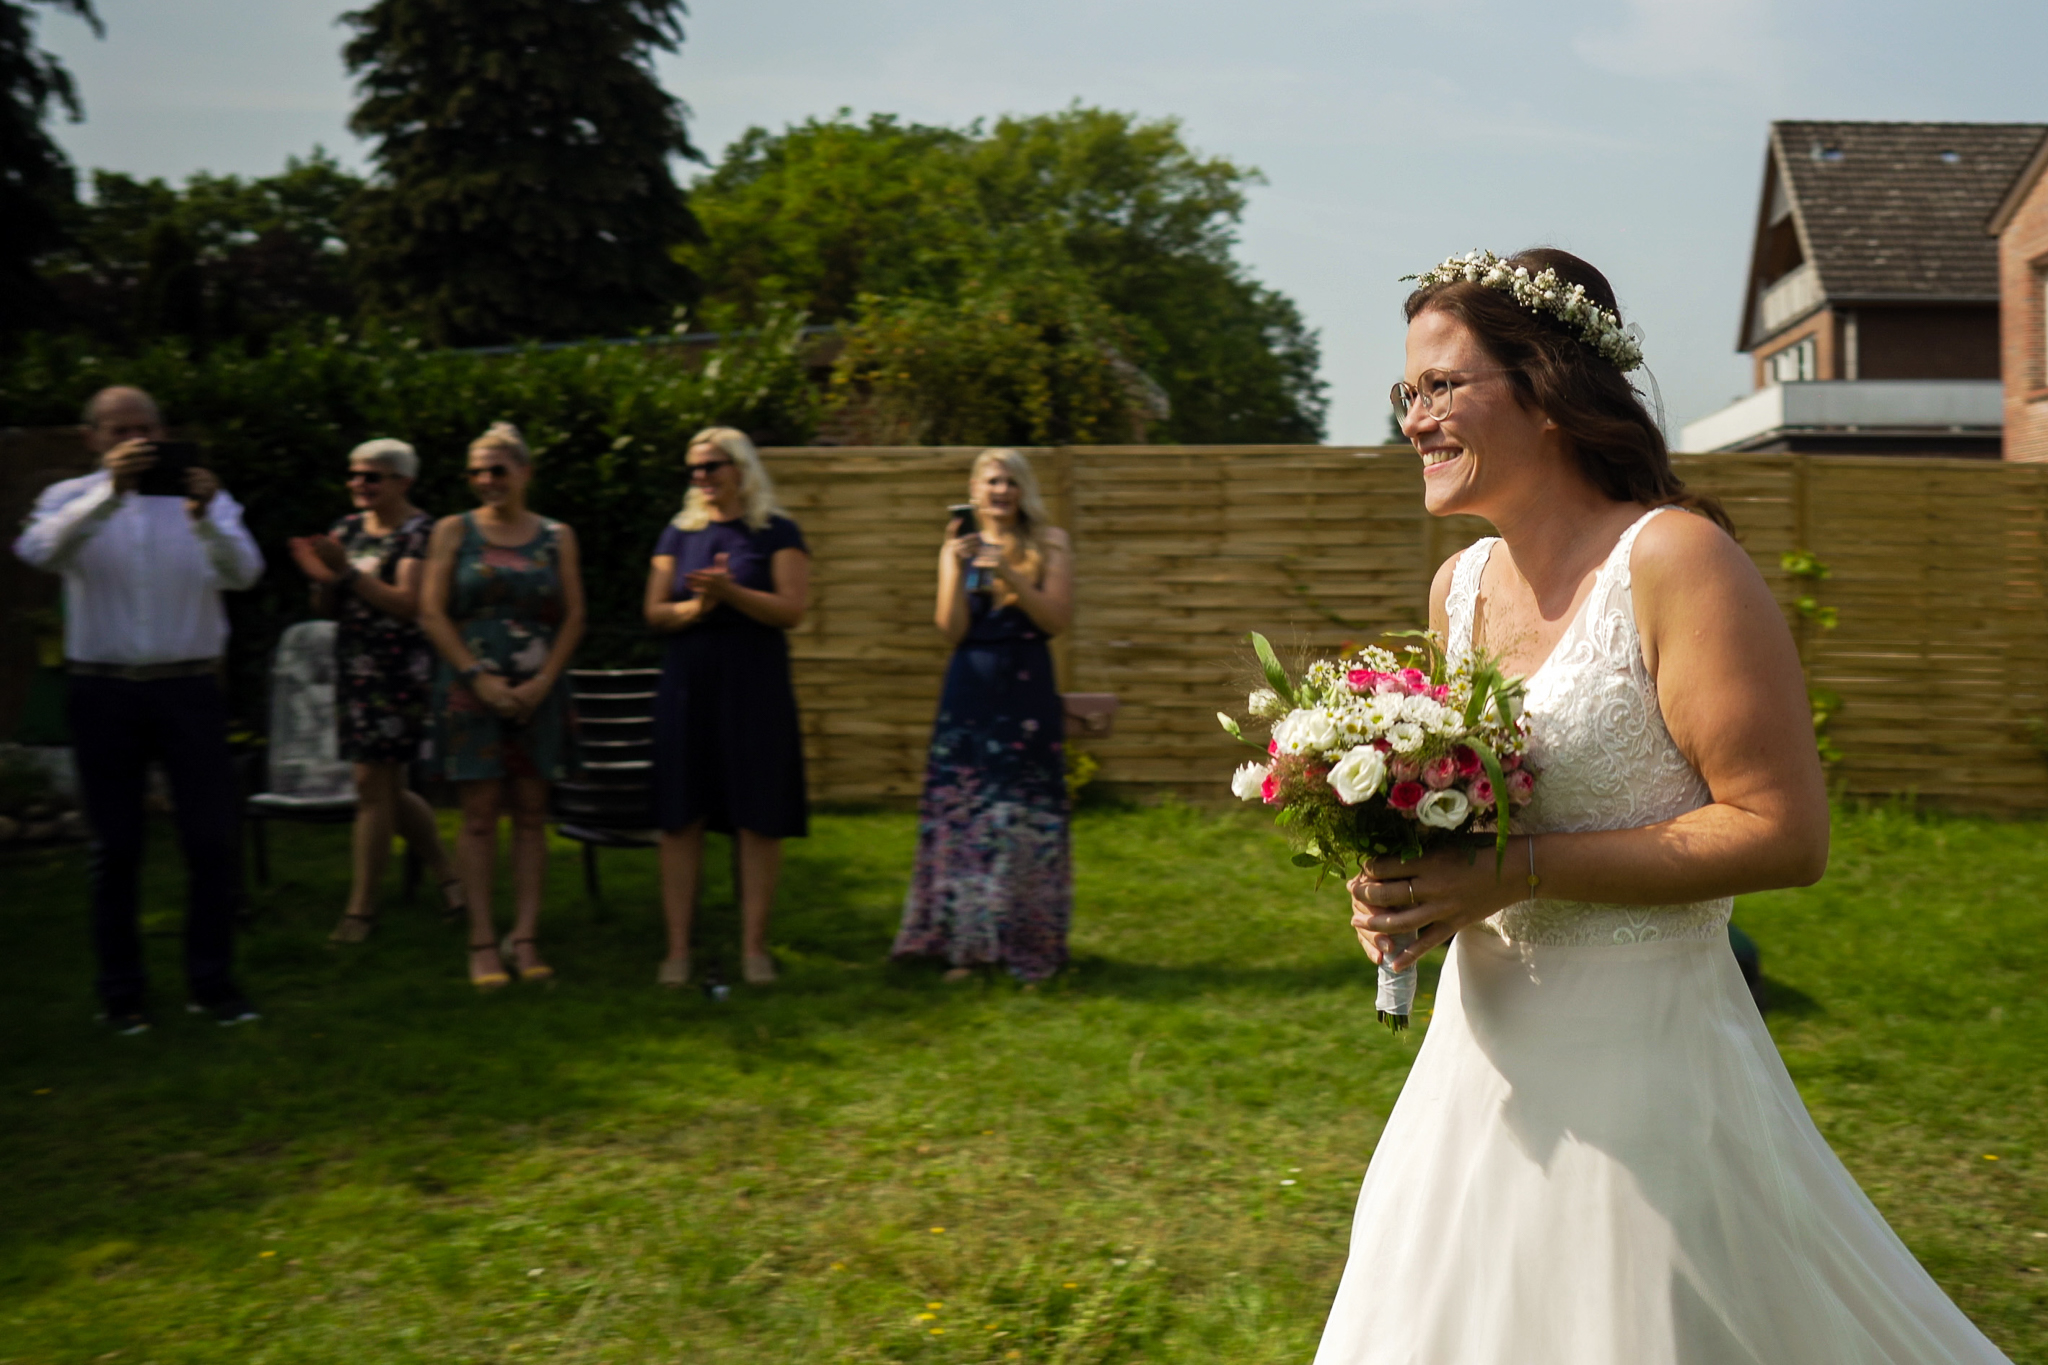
<point>383,666</point>
<point>506,603</point>
<point>994,881</point>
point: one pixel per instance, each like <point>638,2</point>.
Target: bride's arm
<point>1734,698</point>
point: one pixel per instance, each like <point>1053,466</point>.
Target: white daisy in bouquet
<point>1387,752</point>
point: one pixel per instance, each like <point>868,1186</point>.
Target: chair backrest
<point>614,785</point>
<point>304,757</point>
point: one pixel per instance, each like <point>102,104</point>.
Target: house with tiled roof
<point>1871,308</point>
<point>2020,225</point>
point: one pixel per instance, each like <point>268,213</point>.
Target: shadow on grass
<point>1789,1002</point>
<point>378,1064</point>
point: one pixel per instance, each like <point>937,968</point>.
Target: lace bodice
<point>1602,756</point>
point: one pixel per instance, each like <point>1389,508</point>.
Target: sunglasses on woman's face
<point>369,477</point>
<point>708,468</point>
<point>488,471</point>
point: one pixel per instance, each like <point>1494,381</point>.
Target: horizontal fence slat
<point>1939,575</point>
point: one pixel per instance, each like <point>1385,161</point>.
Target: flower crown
<point>1598,327</point>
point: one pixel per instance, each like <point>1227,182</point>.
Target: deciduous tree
<point>831,214</point>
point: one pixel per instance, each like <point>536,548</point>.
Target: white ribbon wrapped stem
<point>1397,989</point>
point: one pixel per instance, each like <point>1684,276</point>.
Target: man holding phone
<point>146,545</point>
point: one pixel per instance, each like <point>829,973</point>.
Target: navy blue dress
<point>994,877</point>
<point>727,748</point>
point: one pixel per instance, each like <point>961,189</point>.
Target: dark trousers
<point>118,728</point>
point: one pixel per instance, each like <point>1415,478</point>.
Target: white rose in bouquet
<point>1317,732</point>
<point>1248,782</point>
<point>1358,774</point>
<point>1444,809</point>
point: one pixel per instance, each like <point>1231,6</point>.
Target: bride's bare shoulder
<point>1686,548</point>
<point>1691,581</point>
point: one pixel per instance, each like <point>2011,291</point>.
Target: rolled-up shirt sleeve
<point>230,549</point>
<point>65,517</point>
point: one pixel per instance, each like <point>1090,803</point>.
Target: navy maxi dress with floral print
<point>994,879</point>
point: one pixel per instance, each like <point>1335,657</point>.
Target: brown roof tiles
<point>1897,210</point>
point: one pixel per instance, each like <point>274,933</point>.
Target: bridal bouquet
<point>1384,753</point>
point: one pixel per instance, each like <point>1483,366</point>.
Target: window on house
<point>1792,365</point>
<point>2041,325</point>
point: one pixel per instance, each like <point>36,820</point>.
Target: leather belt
<point>181,668</point>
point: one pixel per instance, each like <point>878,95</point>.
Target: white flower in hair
<point>1598,327</point>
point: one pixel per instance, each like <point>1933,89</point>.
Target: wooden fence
<point>1939,575</point>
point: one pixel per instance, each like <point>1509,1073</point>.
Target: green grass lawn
<point>1153,1157</point>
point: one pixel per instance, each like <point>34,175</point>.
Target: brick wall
<point>2022,267</point>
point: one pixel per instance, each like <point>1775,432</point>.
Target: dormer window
<point>1823,152</point>
<point>1951,158</point>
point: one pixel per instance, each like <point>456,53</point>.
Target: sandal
<point>758,969</point>
<point>539,971</point>
<point>674,972</point>
<point>487,981</point>
<point>353,928</point>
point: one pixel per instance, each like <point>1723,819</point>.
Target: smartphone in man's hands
<point>166,478</point>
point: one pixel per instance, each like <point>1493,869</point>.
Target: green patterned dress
<point>506,603</point>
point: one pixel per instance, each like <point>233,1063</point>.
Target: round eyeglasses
<point>1436,391</point>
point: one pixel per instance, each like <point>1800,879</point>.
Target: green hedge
<point>606,422</point>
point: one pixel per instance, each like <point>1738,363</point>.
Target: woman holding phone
<point>993,884</point>
<point>503,604</point>
<point>730,577</point>
<point>366,573</point>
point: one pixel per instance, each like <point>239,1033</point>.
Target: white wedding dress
<point>1598,1158</point>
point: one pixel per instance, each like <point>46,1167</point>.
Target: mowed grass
<point>1153,1157</point>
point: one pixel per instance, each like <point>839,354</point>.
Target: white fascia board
<point>1762,411</point>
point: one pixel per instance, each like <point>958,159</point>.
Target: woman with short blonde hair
<point>993,883</point>
<point>730,577</point>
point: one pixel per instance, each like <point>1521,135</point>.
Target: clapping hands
<point>320,558</point>
<point>713,583</point>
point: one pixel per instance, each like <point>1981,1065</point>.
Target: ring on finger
<point>1411,892</point>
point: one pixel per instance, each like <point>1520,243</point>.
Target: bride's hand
<point>1433,897</point>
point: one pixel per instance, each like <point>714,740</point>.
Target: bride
<point>1599,1158</point>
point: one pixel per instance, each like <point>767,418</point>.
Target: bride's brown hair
<point>1619,448</point>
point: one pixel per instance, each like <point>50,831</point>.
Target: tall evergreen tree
<point>523,153</point>
<point>36,184</point>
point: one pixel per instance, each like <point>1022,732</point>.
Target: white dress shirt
<point>142,580</point>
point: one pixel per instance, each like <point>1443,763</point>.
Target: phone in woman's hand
<point>960,519</point>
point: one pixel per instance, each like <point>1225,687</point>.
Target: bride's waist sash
<point>1589,924</point>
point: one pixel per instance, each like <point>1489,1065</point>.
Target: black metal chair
<point>304,776</point>
<point>610,803</point>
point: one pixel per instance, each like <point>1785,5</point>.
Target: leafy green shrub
<point>1036,361</point>
<point>606,423</point>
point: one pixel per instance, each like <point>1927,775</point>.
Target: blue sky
<point>1390,135</point>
